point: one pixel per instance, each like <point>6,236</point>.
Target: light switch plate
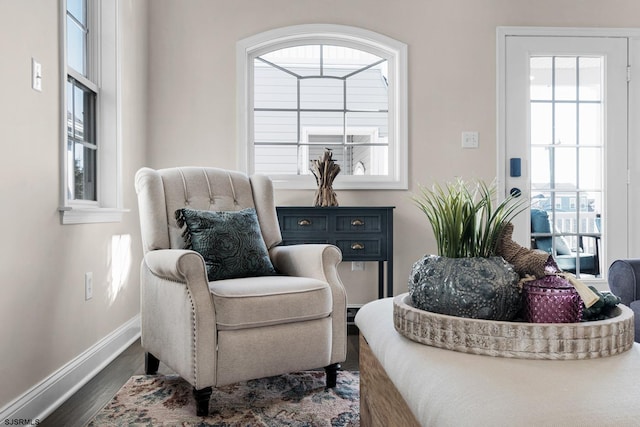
<point>470,140</point>
<point>36,75</point>
<point>88,286</point>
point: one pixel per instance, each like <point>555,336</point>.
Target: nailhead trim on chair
<point>195,337</point>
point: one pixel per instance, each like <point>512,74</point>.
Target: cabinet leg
<point>380,279</point>
<point>390,278</point>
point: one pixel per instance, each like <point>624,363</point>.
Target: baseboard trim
<point>45,397</point>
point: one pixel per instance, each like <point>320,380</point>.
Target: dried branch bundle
<point>325,170</point>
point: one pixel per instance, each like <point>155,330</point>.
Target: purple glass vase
<point>552,299</point>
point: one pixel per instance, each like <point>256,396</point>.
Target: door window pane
<point>565,168</point>
<point>541,123</point>
<point>590,161</point>
<point>590,79</point>
<point>565,124</point>
<point>590,119</point>
<point>566,157</point>
<point>541,78</point>
<point>565,78</point>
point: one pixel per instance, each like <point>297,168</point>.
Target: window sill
<point>71,215</point>
<point>307,182</point>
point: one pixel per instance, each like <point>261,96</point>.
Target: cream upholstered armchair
<point>232,328</point>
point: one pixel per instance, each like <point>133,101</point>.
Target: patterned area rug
<point>296,399</point>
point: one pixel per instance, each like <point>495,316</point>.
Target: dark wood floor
<point>83,405</point>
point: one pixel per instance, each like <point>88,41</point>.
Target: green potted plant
<point>466,278</point>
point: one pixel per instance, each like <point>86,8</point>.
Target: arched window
<point>308,88</point>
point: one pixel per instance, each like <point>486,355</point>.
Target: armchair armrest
<point>177,308</point>
<point>176,264</point>
<point>318,261</point>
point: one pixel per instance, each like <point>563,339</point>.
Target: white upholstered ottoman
<point>405,383</point>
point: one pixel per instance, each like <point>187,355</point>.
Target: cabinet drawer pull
<point>304,222</point>
<point>357,222</point>
<point>357,246</point>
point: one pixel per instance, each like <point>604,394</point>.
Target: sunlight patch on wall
<point>120,264</point>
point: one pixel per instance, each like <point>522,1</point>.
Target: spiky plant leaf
<point>465,218</point>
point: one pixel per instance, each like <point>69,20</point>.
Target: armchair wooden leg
<point>151,364</point>
<point>331,372</point>
<point>202,401</point>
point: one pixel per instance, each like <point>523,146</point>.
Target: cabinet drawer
<point>359,223</point>
<point>355,249</point>
<point>303,223</point>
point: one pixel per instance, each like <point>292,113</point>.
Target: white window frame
<point>103,70</point>
<point>393,51</point>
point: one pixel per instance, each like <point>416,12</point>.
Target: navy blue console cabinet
<point>361,233</point>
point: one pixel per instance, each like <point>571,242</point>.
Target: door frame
<point>633,110</point>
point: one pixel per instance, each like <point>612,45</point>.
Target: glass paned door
<point>565,118</point>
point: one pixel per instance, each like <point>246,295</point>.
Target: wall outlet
<point>88,286</point>
<point>357,265</point>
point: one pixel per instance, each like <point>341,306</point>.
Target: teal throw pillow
<point>229,241</point>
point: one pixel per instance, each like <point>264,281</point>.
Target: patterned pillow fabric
<point>229,241</point>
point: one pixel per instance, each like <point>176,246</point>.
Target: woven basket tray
<point>558,341</point>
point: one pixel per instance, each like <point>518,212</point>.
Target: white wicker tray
<point>587,340</point>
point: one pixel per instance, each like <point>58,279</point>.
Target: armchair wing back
<point>162,192</point>
<point>233,329</point>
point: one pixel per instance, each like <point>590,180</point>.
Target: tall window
<point>315,87</point>
<point>90,164</point>
<point>81,91</point>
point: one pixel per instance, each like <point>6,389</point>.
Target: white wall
<point>44,319</point>
<point>452,75</point>
<point>186,62</point>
